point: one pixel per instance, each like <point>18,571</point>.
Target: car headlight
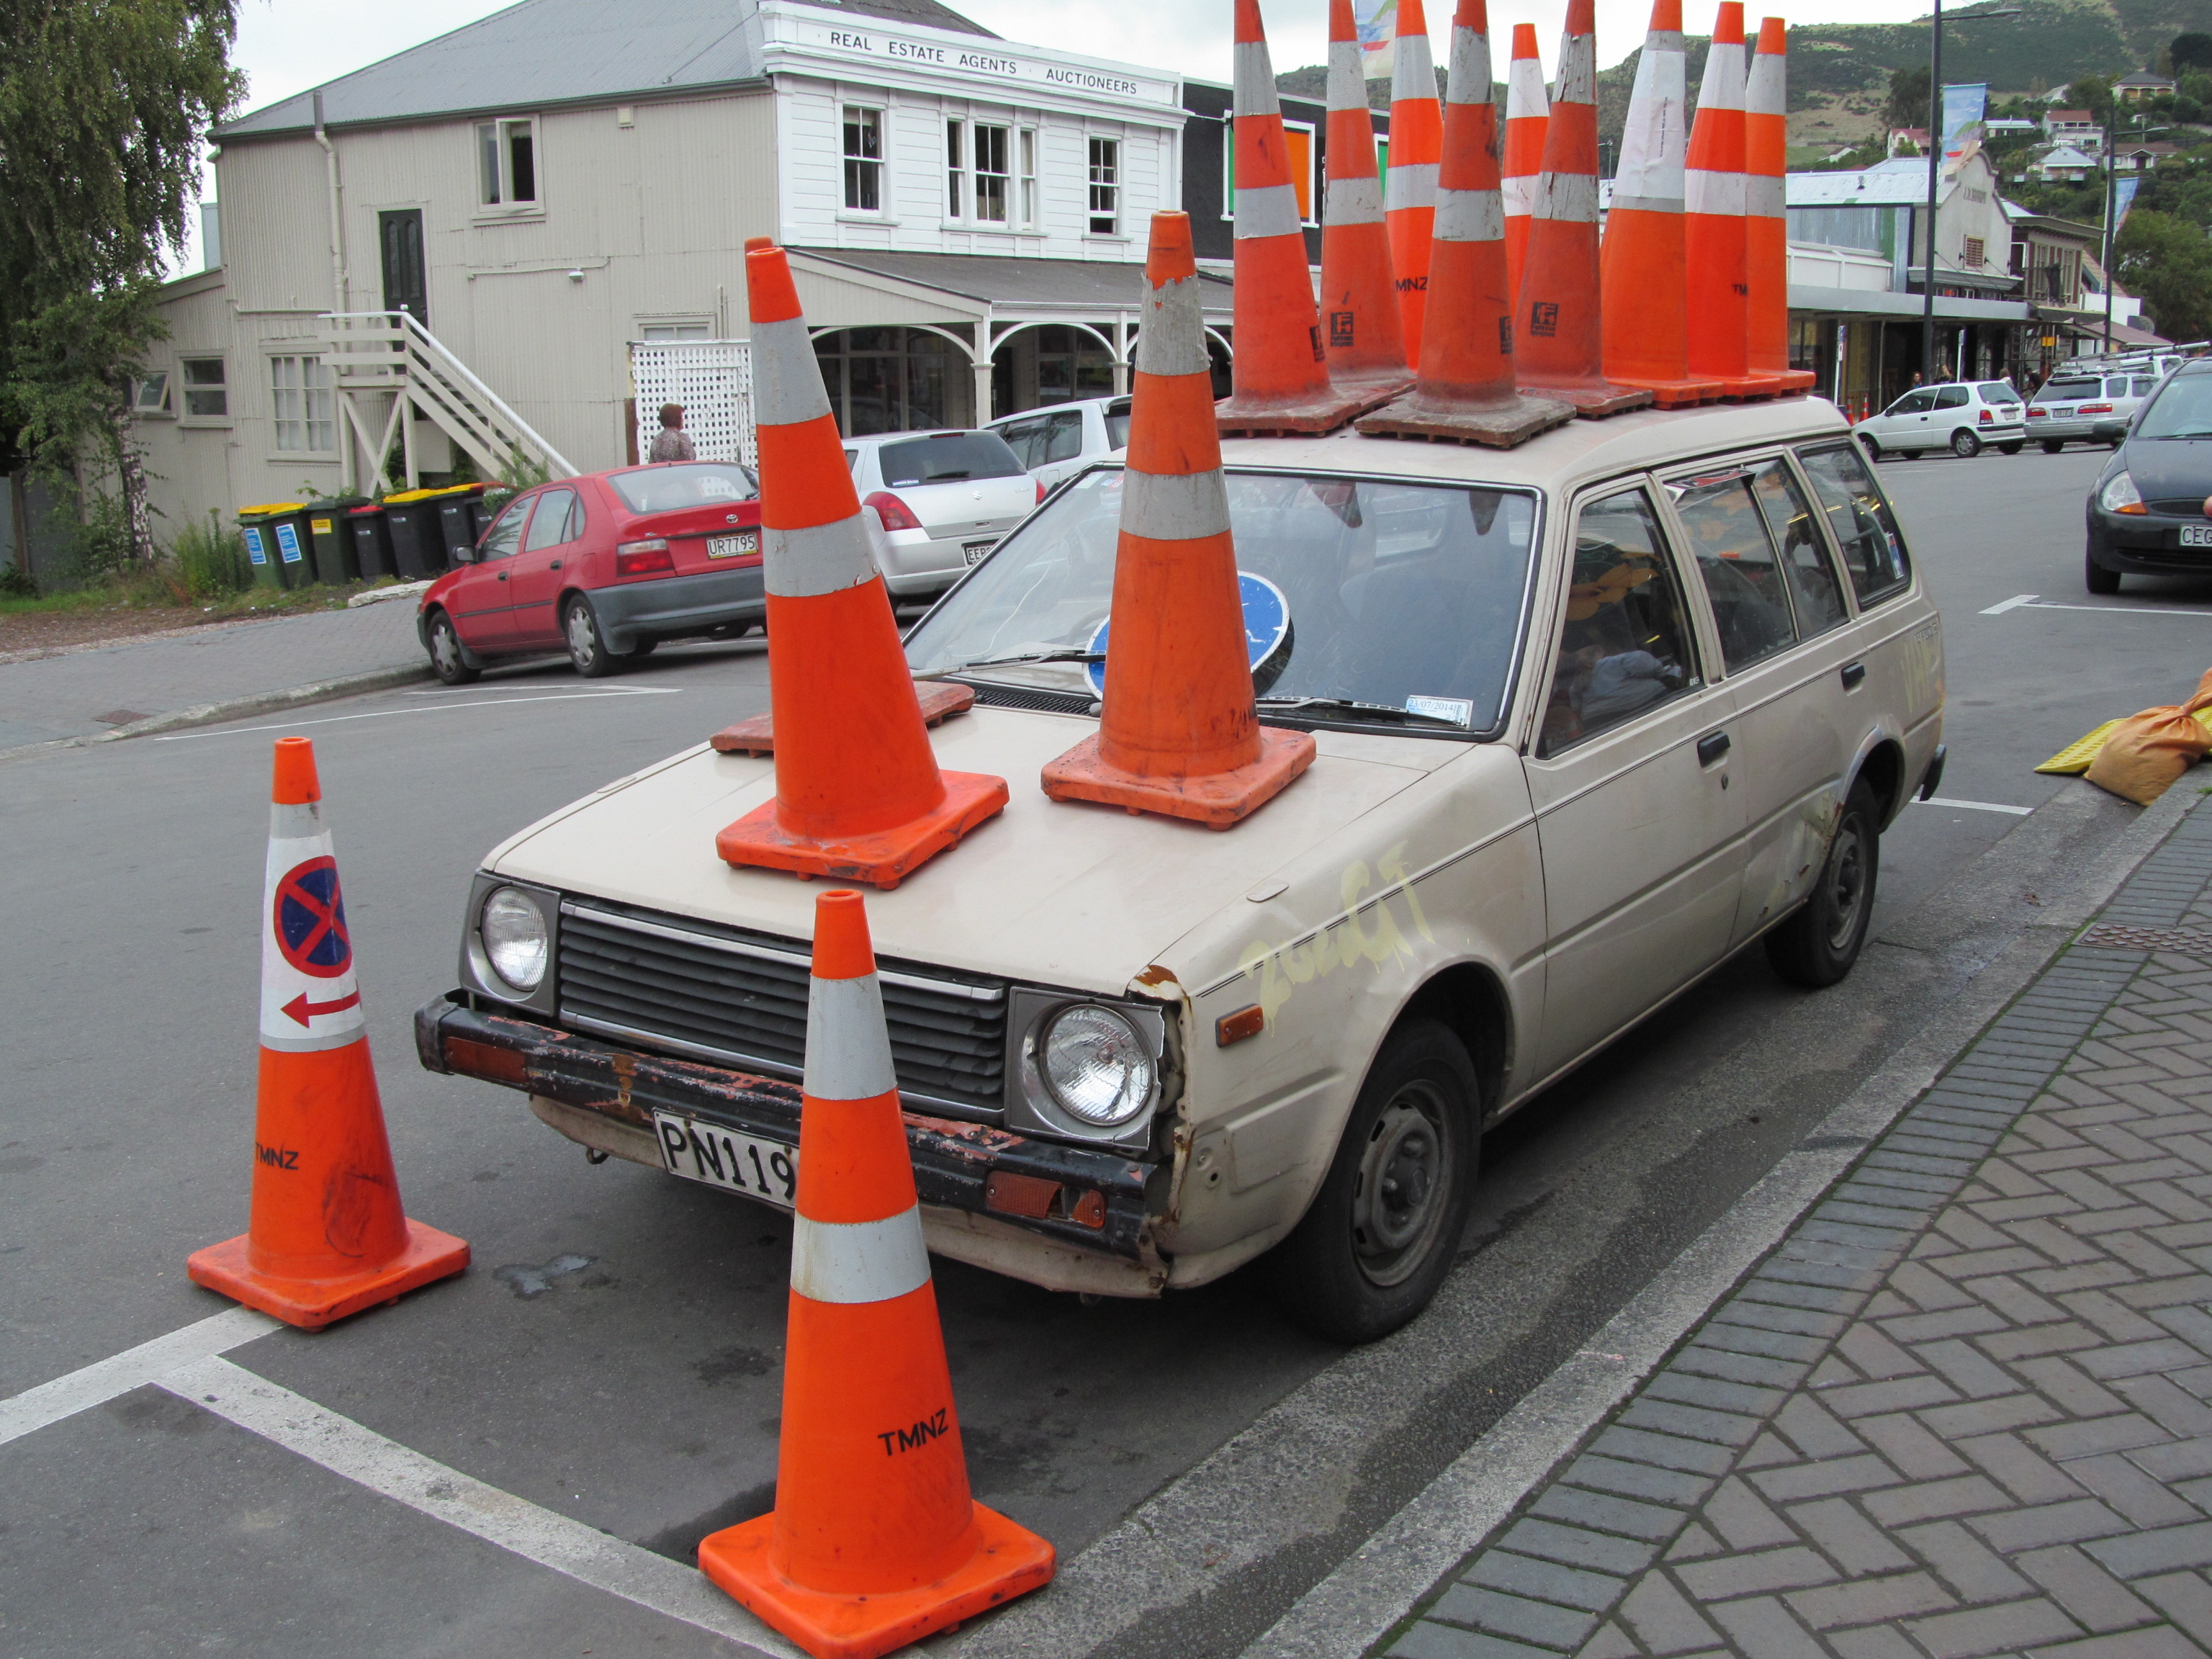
<point>1099,1070</point>
<point>514,938</point>
<point>2120,495</point>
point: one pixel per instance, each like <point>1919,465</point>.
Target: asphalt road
<point>613,1356</point>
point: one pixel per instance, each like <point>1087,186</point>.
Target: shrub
<point>211,561</point>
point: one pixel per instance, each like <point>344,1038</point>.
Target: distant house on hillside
<point>2073,126</point>
<point>2141,156</point>
<point>2141,85</point>
<point>1900,138</point>
<point>2064,165</point>
<point>2010,127</point>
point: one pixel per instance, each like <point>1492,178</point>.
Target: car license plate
<point>765,1169</point>
<point>2197,535</point>
<point>731,547</point>
<point>973,552</point>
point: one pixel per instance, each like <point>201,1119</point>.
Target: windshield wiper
<point>1065,653</point>
<point>1352,706</point>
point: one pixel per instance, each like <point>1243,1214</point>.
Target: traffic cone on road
<point>1643,290</point>
<point>1466,390</point>
<point>875,1541</point>
<point>1560,346</point>
<point>327,1236</point>
<point>1528,116</point>
<point>1360,328</point>
<point>1178,733</point>
<point>1766,216</point>
<point>1279,376</point>
<point>1713,228</point>
<point>1409,188</point>
<point>859,796</point>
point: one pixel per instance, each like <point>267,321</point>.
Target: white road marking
<point>1977,805</point>
<point>391,1470</point>
<point>105,1379</point>
<point>2012,604</point>
<point>423,708</point>
<point>2107,610</point>
<point>533,690</point>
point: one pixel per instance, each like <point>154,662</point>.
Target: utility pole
<point>2109,191</point>
<point>1934,178</point>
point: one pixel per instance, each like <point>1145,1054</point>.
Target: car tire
<point>1873,448</point>
<point>2012,449</point>
<point>2052,445</point>
<point>587,646</point>
<point>2098,579</point>
<point>1817,945</point>
<point>446,659</point>
<point>1359,1265</point>
<point>643,648</point>
<point>1965,445</point>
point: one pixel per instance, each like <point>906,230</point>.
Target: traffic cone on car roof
<point>1527,115</point>
<point>875,1541</point>
<point>327,1236</point>
<point>1363,339</point>
<point>1466,390</point>
<point>1409,188</point>
<point>858,792</point>
<point>1643,290</point>
<point>1560,345</point>
<point>1713,230</point>
<point>1279,375</point>
<point>1178,733</point>
<point>1765,213</point>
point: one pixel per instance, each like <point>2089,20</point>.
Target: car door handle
<point>502,576</point>
<point>1712,748</point>
<point>1854,675</point>
<point>556,564</point>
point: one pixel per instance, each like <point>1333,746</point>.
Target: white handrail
<point>403,325</point>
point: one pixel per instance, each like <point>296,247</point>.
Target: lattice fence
<point>713,381</point>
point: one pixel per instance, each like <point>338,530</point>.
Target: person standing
<point>672,442</point>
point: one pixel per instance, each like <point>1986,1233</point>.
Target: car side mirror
<point>464,553</point>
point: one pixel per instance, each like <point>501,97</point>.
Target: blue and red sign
<point>310,920</point>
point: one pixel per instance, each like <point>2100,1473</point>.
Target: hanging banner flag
<point>1378,31</point>
<point>2124,198</point>
<point>1963,108</point>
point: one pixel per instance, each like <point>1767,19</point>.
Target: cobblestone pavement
<point>1962,1410</point>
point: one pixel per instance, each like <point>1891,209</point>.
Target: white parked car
<point>1058,441</point>
<point>936,502</point>
<point>2091,405</point>
<point>1592,714</point>
<point>1963,417</point>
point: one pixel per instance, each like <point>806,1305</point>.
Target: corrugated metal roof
<point>1898,183</point>
<point>554,52</point>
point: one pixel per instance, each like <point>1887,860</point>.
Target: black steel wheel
<point>1817,945</point>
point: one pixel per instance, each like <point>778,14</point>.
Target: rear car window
<point>1727,535</point>
<point>2059,392</point>
<point>1999,392</point>
<point>690,483</point>
<point>1117,426</point>
<point>1026,440</point>
<point>1951,397</point>
<point>2144,385</point>
<point>947,458</point>
<point>1873,553</point>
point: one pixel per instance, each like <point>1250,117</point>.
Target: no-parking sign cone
<point>327,1236</point>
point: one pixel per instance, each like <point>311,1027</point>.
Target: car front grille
<point>725,993</point>
<point>2180,507</point>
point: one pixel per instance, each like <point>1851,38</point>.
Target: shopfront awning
<point>1902,307</point>
<point>860,287</point>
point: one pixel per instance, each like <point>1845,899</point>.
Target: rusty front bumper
<point>1091,1200</point>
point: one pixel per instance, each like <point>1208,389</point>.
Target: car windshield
<point>947,458</point>
<point>2059,392</point>
<point>686,483</point>
<point>1402,596</point>
<point>2182,409</point>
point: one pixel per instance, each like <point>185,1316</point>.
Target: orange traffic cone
<point>1466,390</point>
<point>1713,228</point>
<point>1280,374</point>
<point>327,1236</point>
<point>875,1541</point>
<point>1528,116</point>
<point>858,792</point>
<point>1561,349</point>
<point>1360,326</point>
<point>1643,290</point>
<point>1766,216</point>
<point>1409,189</point>
<point>1179,734</point>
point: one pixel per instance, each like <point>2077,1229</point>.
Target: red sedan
<point>606,565</point>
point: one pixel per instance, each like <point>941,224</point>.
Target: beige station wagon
<point>1592,714</point>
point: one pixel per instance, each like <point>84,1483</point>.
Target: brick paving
<point>1962,1410</point>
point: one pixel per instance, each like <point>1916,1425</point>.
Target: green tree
<point>2093,93</point>
<point>2190,51</point>
<point>1907,106</point>
<point>2166,263</point>
<point>104,106</point>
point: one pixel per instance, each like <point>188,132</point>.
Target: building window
<point>153,395</point>
<point>992,174</point>
<point>306,420</point>
<point>207,389</point>
<point>507,163</point>
<point>1029,176</point>
<point>1975,250</point>
<point>658,332</point>
<point>1105,186</point>
<point>894,379</point>
<point>864,159</point>
<point>956,170</point>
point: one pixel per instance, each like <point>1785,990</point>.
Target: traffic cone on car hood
<point>1178,733</point>
<point>1364,340</point>
<point>875,1541</point>
<point>1766,216</point>
<point>1466,389</point>
<point>1713,231</point>
<point>1409,189</point>
<point>1561,343</point>
<point>1527,115</point>
<point>857,794</point>
<point>326,1236</point>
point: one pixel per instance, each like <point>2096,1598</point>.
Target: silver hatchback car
<point>936,502</point>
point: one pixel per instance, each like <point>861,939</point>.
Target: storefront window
<point>893,379</point>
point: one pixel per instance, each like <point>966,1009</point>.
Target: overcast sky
<point>288,45</point>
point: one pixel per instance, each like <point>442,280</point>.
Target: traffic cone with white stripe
<point>1179,733</point>
<point>1279,379</point>
<point>327,1236</point>
<point>1765,213</point>
<point>1409,188</point>
<point>1713,228</point>
<point>1528,116</point>
<point>1561,343</point>
<point>859,796</point>
<point>1643,290</point>
<point>1466,390</point>
<point>1360,327</point>
<point>875,1541</point>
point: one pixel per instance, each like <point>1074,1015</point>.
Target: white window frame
<point>645,325</point>
<point>879,160</point>
<point>956,167</point>
<point>1007,145</point>
<point>306,387</point>
<point>149,395</point>
<point>184,384</point>
<point>1026,176</point>
<point>1114,189</point>
<point>964,172</point>
<point>494,174</point>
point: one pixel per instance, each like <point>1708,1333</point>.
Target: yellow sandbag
<point>2146,752</point>
<point>2076,755</point>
